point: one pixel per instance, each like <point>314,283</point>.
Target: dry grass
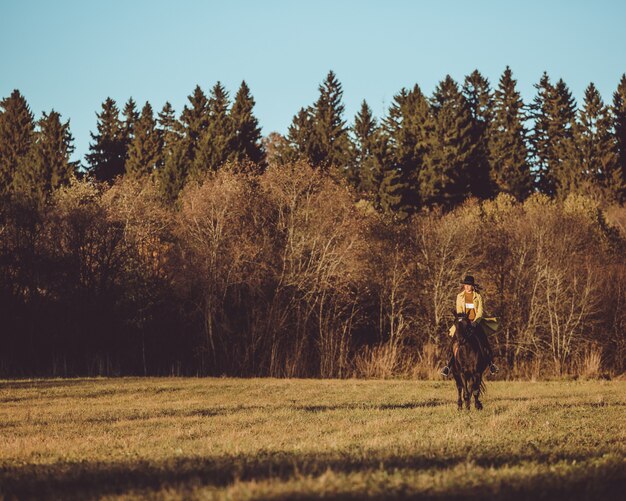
<point>270,438</point>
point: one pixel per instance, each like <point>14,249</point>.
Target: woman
<point>470,302</point>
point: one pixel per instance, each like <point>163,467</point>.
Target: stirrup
<point>445,371</point>
<point>493,368</point>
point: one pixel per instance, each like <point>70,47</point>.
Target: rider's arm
<point>460,303</point>
<point>479,309</point>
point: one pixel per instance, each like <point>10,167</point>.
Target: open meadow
<point>297,438</point>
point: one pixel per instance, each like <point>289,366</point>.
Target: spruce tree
<point>173,174</point>
<point>195,120</point>
<point>172,165</point>
<point>619,127</point>
<point>47,165</point>
<point>409,126</point>
<point>17,129</point>
<point>131,116</point>
<point>510,170</point>
<point>388,183</point>
<point>364,131</point>
<point>300,137</point>
<point>246,139</point>
<point>593,152</point>
<point>144,151</point>
<point>479,97</point>
<point>552,134</point>
<point>445,174</point>
<point>170,129</point>
<point>214,146</point>
<point>539,139</point>
<point>108,150</point>
<point>330,141</point>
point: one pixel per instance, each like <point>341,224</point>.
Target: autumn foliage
<point>288,273</point>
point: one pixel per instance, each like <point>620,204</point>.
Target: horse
<point>469,362</point>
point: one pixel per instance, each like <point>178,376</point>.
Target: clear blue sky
<point>71,55</point>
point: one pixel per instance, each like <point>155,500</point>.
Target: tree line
<point>193,245</point>
<point>464,140</point>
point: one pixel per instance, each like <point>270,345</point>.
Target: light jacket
<point>489,324</point>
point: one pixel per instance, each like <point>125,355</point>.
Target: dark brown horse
<point>469,363</point>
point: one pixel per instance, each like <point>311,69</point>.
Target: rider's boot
<point>446,370</point>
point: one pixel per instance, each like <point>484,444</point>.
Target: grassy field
<point>268,438</point>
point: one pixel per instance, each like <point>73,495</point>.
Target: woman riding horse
<point>470,302</point>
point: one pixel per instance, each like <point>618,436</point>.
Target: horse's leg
<point>467,394</point>
<point>477,403</point>
<point>459,388</point>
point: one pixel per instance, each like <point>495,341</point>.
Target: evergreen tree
<point>214,146</point>
<point>170,129</point>
<point>374,173</point>
<point>17,128</point>
<point>386,181</point>
<point>330,141</point>
<point>173,174</point>
<point>108,151</point>
<point>510,170</point>
<point>364,131</point>
<point>479,97</point>
<point>47,165</point>
<point>554,112</point>
<point>539,140</point>
<point>131,116</point>
<point>195,120</point>
<point>619,127</point>
<point>247,143</point>
<point>410,129</point>
<point>144,151</point>
<point>593,153</point>
<point>445,175</point>
<point>300,137</point>
<point>171,171</point>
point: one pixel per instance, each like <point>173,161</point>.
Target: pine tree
<point>539,140</point>
<point>410,128</point>
<point>510,170</point>
<point>195,120</point>
<point>214,146</point>
<point>108,151</point>
<point>391,193</point>
<point>17,129</point>
<point>144,151</point>
<point>330,140</point>
<point>364,131</point>
<point>246,141</point>
<point>479,97</point>
<point>47,165</point>
<point>172,168</point>
<point>445,175</point>
<point>554,112</point>
<point>619,127</point>
<point>300,138</point>
<point>131,116</point>
<point>593,153</point>
<point>170,129</point>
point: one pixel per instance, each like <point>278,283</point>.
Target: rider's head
<point>468,283</point>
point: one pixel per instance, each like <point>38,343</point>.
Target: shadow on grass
<point>79,480</point>
<point>43,383</point>
<point>366,406</point>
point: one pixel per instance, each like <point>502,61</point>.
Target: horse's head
<point>462,326</point>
